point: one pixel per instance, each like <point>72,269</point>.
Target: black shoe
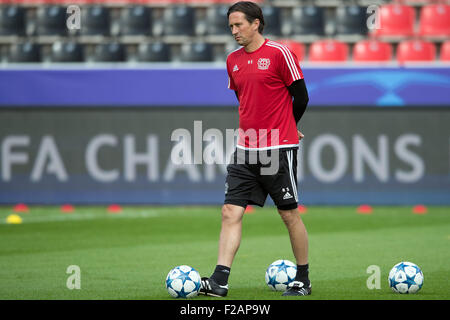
<point>211,288</point>
<point>297,288</point>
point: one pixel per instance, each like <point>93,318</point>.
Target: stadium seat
<point>416,50</point>
<point>396,20</point>
<point>136,20</point>
<point>66,52</point>
<point>51,20</point>
<point>95,20</point>
<point>217,20</point>
<point>417,2</point>
<point>179,20</point>
<point>109,52</point>
<point>24,52</point>
<point>351,20</point>
<point>196,52</point>
<point>445,51</point>
<point>12,20</point>
<point>308,20</point>
<point>372,51</point>
<point>272,18</point>
<point>296,47</point>
<point>435,20</point>
<point>328,51</point>
<point>154,52</point>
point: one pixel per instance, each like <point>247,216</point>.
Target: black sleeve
<point>237,96</point>
<point>300,94</point>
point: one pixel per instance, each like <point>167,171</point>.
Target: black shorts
<point>252,175</point>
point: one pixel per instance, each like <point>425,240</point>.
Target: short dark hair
<point>251,10</point>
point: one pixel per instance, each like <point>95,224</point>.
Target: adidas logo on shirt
<point>235,68</point>
<point>287,195</point>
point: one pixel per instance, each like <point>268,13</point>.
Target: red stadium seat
<point>396,20</point>
<point>445,51</point>
<point>415,2</point>
<point>435,20</point>
<point>416,50</point>
<point>372,50</point>
<point>296,47</point>
<point>328,51</point>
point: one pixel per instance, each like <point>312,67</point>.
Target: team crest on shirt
<point>263,63</point>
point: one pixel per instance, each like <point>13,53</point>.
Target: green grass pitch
<point>128,255</point>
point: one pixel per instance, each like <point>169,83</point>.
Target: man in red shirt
<point>269,85</point>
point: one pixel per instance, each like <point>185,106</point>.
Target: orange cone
<point>21,207</point>
<point>67,208</point>
<point>364,209</point>
<point>249,209</point>
<point>302,209</point>
<point>420,209</point>
<point>114,208</point>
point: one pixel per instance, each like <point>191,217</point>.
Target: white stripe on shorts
<point>290,156</point>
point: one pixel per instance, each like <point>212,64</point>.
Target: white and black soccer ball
<point>183,282</point>
<point>405,277</point>
<point>279,274</point>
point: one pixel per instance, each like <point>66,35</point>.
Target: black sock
<point>221,274</point>
<point>302,274</point>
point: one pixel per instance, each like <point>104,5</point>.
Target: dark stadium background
<point>86,115</point>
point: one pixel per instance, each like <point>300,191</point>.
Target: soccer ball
<point>183,282</point>
<point>279,274</point>
<point>405,277</point>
